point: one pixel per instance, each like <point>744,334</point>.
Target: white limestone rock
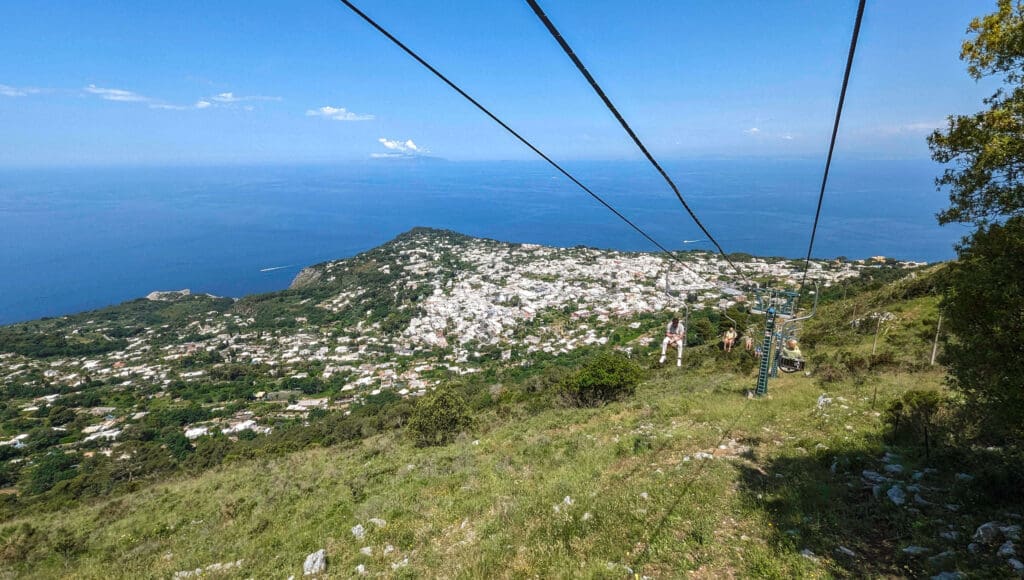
<point>988,533</point>
<point>316,563</point>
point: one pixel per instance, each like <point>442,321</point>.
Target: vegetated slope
<point>892,326</point>
<point>108,329</point>
<point>686,477</point>
<point>110,401</point>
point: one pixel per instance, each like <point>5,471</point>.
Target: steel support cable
<point>835,132</point>
<point>629,130</point>
<point>515,134</point>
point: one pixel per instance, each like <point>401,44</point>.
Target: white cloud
<point>125,96</point>
<point>119,95</point>
<point>406,146</point>
<point>397,148</point>
<point>9,91</point>
<point>338,114</point>
<point>918,127</point>
<point>767,135</point>
<point>233,98</point>
<point>913,128</point>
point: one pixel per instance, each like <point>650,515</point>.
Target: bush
<point>606,377</point>
<point>18,543</point>
<point>839,365</point>
<point>210,452</point>
<point>987,326</point>
<point>917,416</point>
<point>438,418</point>
<point>994,471</point>
<point>541,389</point>
<point>51,468</point>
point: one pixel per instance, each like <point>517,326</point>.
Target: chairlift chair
<point>790,358</point>
<point>783,301</point>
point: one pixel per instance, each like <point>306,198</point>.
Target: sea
<point>84,238</point>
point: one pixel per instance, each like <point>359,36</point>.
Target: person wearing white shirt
<point>675,335</point>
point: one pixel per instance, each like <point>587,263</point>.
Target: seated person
<point>675,334</point>
<point>729,339</point>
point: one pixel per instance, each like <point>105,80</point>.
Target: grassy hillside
<point>639,498</point>
<point>687,477</point>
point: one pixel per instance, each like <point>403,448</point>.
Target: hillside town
<point>465,304</point>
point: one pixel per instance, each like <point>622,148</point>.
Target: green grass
<point>489,508</point>
<point>785,481</point>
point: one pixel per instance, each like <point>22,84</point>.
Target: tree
<point>986,320</point>
<point>61,415</point>
<point>606,377</point>
<point>439,417</point>
<point>703,330</point>
<point>986,149</point>
<point>49,469</point>
<point>984,155</point>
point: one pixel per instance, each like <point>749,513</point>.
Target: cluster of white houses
<point>494,300</point>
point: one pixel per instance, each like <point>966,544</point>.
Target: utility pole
<point>877,327</point>
<point>935,344</point>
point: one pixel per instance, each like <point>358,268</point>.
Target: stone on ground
<point>315,563</point>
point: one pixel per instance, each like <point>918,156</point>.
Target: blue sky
<point>187,82</point>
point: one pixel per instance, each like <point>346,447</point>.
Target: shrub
<point>917,416</point>
<point>606,377</point>
<point>994,471</point>
<point>839,365</point>
<point>210,452</point>
<point>51,468</point>
<point>984,312</point>
<point>18,543</point>
<point>66,543</point>
<point>438,418</point>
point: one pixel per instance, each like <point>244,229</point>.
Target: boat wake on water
<point>275,268</point>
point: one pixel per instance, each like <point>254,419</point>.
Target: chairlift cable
<point>625,125</point>
<point>511,131</point>
<point>835,132</point>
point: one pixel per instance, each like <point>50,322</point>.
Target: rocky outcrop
<point>168,295</point>
<point>305,278</point>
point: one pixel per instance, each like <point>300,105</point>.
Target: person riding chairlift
<point>675,334</point>
<point>729,339</point>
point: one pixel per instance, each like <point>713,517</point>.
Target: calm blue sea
<point>78,239</point>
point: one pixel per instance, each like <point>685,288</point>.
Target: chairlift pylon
<point>777,351</point>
